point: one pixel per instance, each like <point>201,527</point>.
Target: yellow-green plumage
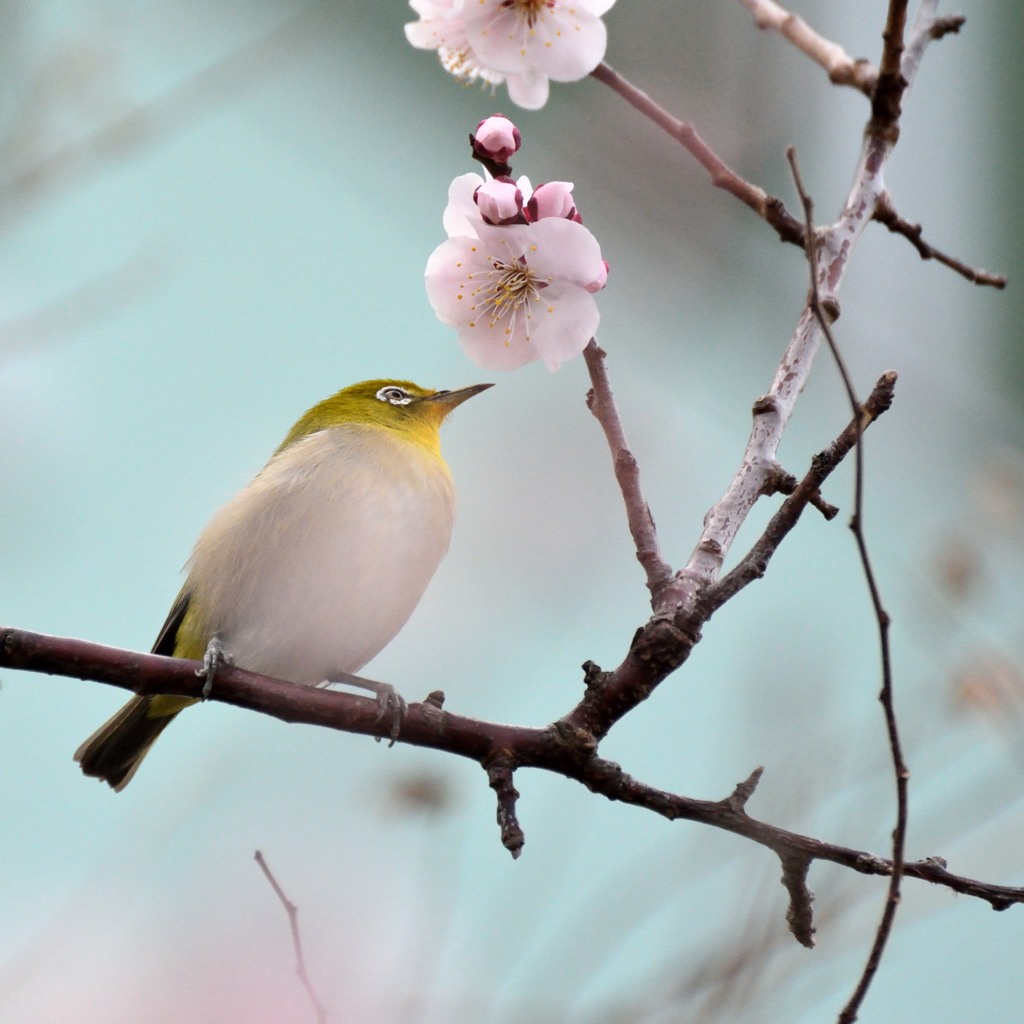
<point>313,567</point>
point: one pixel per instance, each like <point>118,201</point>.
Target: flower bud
<point>553,199</point>
<point>496,139</point>
<point>500,201</point>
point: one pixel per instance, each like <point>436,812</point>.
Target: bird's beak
<point>450,399</point>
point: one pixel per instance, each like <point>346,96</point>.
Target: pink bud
<point>496,138</point>
<point>601,280</point>
<point>553,199</point>
<point>500,201</point>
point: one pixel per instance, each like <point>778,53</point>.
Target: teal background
<point>214,214</point>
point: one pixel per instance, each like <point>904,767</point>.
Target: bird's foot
<point>214,657</point>
<point>390,703</point>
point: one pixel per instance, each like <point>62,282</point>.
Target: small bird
<point>315,566</point>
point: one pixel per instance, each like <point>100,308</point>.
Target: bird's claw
<point>214,657</point>
<point>391,702</point>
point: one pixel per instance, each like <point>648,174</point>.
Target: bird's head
<point>399,405</point>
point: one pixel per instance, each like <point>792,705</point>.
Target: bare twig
<point>601,402</point>
<point>768,208</point>
<point>293,920</point>
<point>899,836</point>
<point>665,642</point>
<point>886,214</point>
<point>799,916</point>
<point>759,469</point>
<point>501,777</point>
<point>755,563</point>
<point>841,67</point>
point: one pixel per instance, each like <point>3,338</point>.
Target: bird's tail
<point>115,750</point>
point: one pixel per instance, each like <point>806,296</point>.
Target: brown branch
<point>808,492</point>
<point>899,835</point>
<point>501,777</point>
<point>768,208</point>
<point>553,749</point>
<point>293,920</point>
<point>601,402</point>
<point>799,916</point>
<point>886,214</point>
<point>665,642</point>
<point>608,779</point>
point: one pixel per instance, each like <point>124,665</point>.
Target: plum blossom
<point>523,43</point>
<point>519,292</point>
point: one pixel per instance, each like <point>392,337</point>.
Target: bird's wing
<point>168,635</point>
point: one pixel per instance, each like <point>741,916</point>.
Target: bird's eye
<point>394,395</point>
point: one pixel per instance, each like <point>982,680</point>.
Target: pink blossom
<point>521,42</point>
<point>517,294</point>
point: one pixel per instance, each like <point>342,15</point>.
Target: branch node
<point>595,679</point>
<point>831,308</point>
<point>949,25</point>
<point>827,509</point>
<point>799,915</point>
<point>778,481</point>
<point>500,776</point>
<point>765,405</point>
<point>576,738</point>
<point>737,799</point>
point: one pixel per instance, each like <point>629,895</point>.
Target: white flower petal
<point>562,323</point>
<point>565,41</point>
<point>528,90</point>
<point>564,249</point>
<point>461,215</point>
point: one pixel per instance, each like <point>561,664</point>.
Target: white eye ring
<point>394,395</point>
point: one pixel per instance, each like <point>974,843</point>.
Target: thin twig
<point>759,469</point>
<point>841,67</point>
<point>501,777</point>
<point>768,208</point>
<point>899,836</point>
<point>601,402</point>
<point>293,920</point>
<point>886,214</point>
<point>754,564</point>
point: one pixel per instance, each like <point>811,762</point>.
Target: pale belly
<point>312,571</point>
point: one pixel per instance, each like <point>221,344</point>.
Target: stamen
<point>505,294</point>
<point>529,10</point>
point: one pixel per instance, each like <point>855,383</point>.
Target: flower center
<point>508,289</point>
<point>529,10</point>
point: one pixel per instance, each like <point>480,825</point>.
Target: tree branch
<point>768,208</point>
<point>553,749</point>
<point>293,921</point>
<point>841,67</point>
<point>601,402</point>
<point>902,776</point>
<point>886,214</point>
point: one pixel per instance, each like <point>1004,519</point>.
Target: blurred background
<point>213,214</point>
